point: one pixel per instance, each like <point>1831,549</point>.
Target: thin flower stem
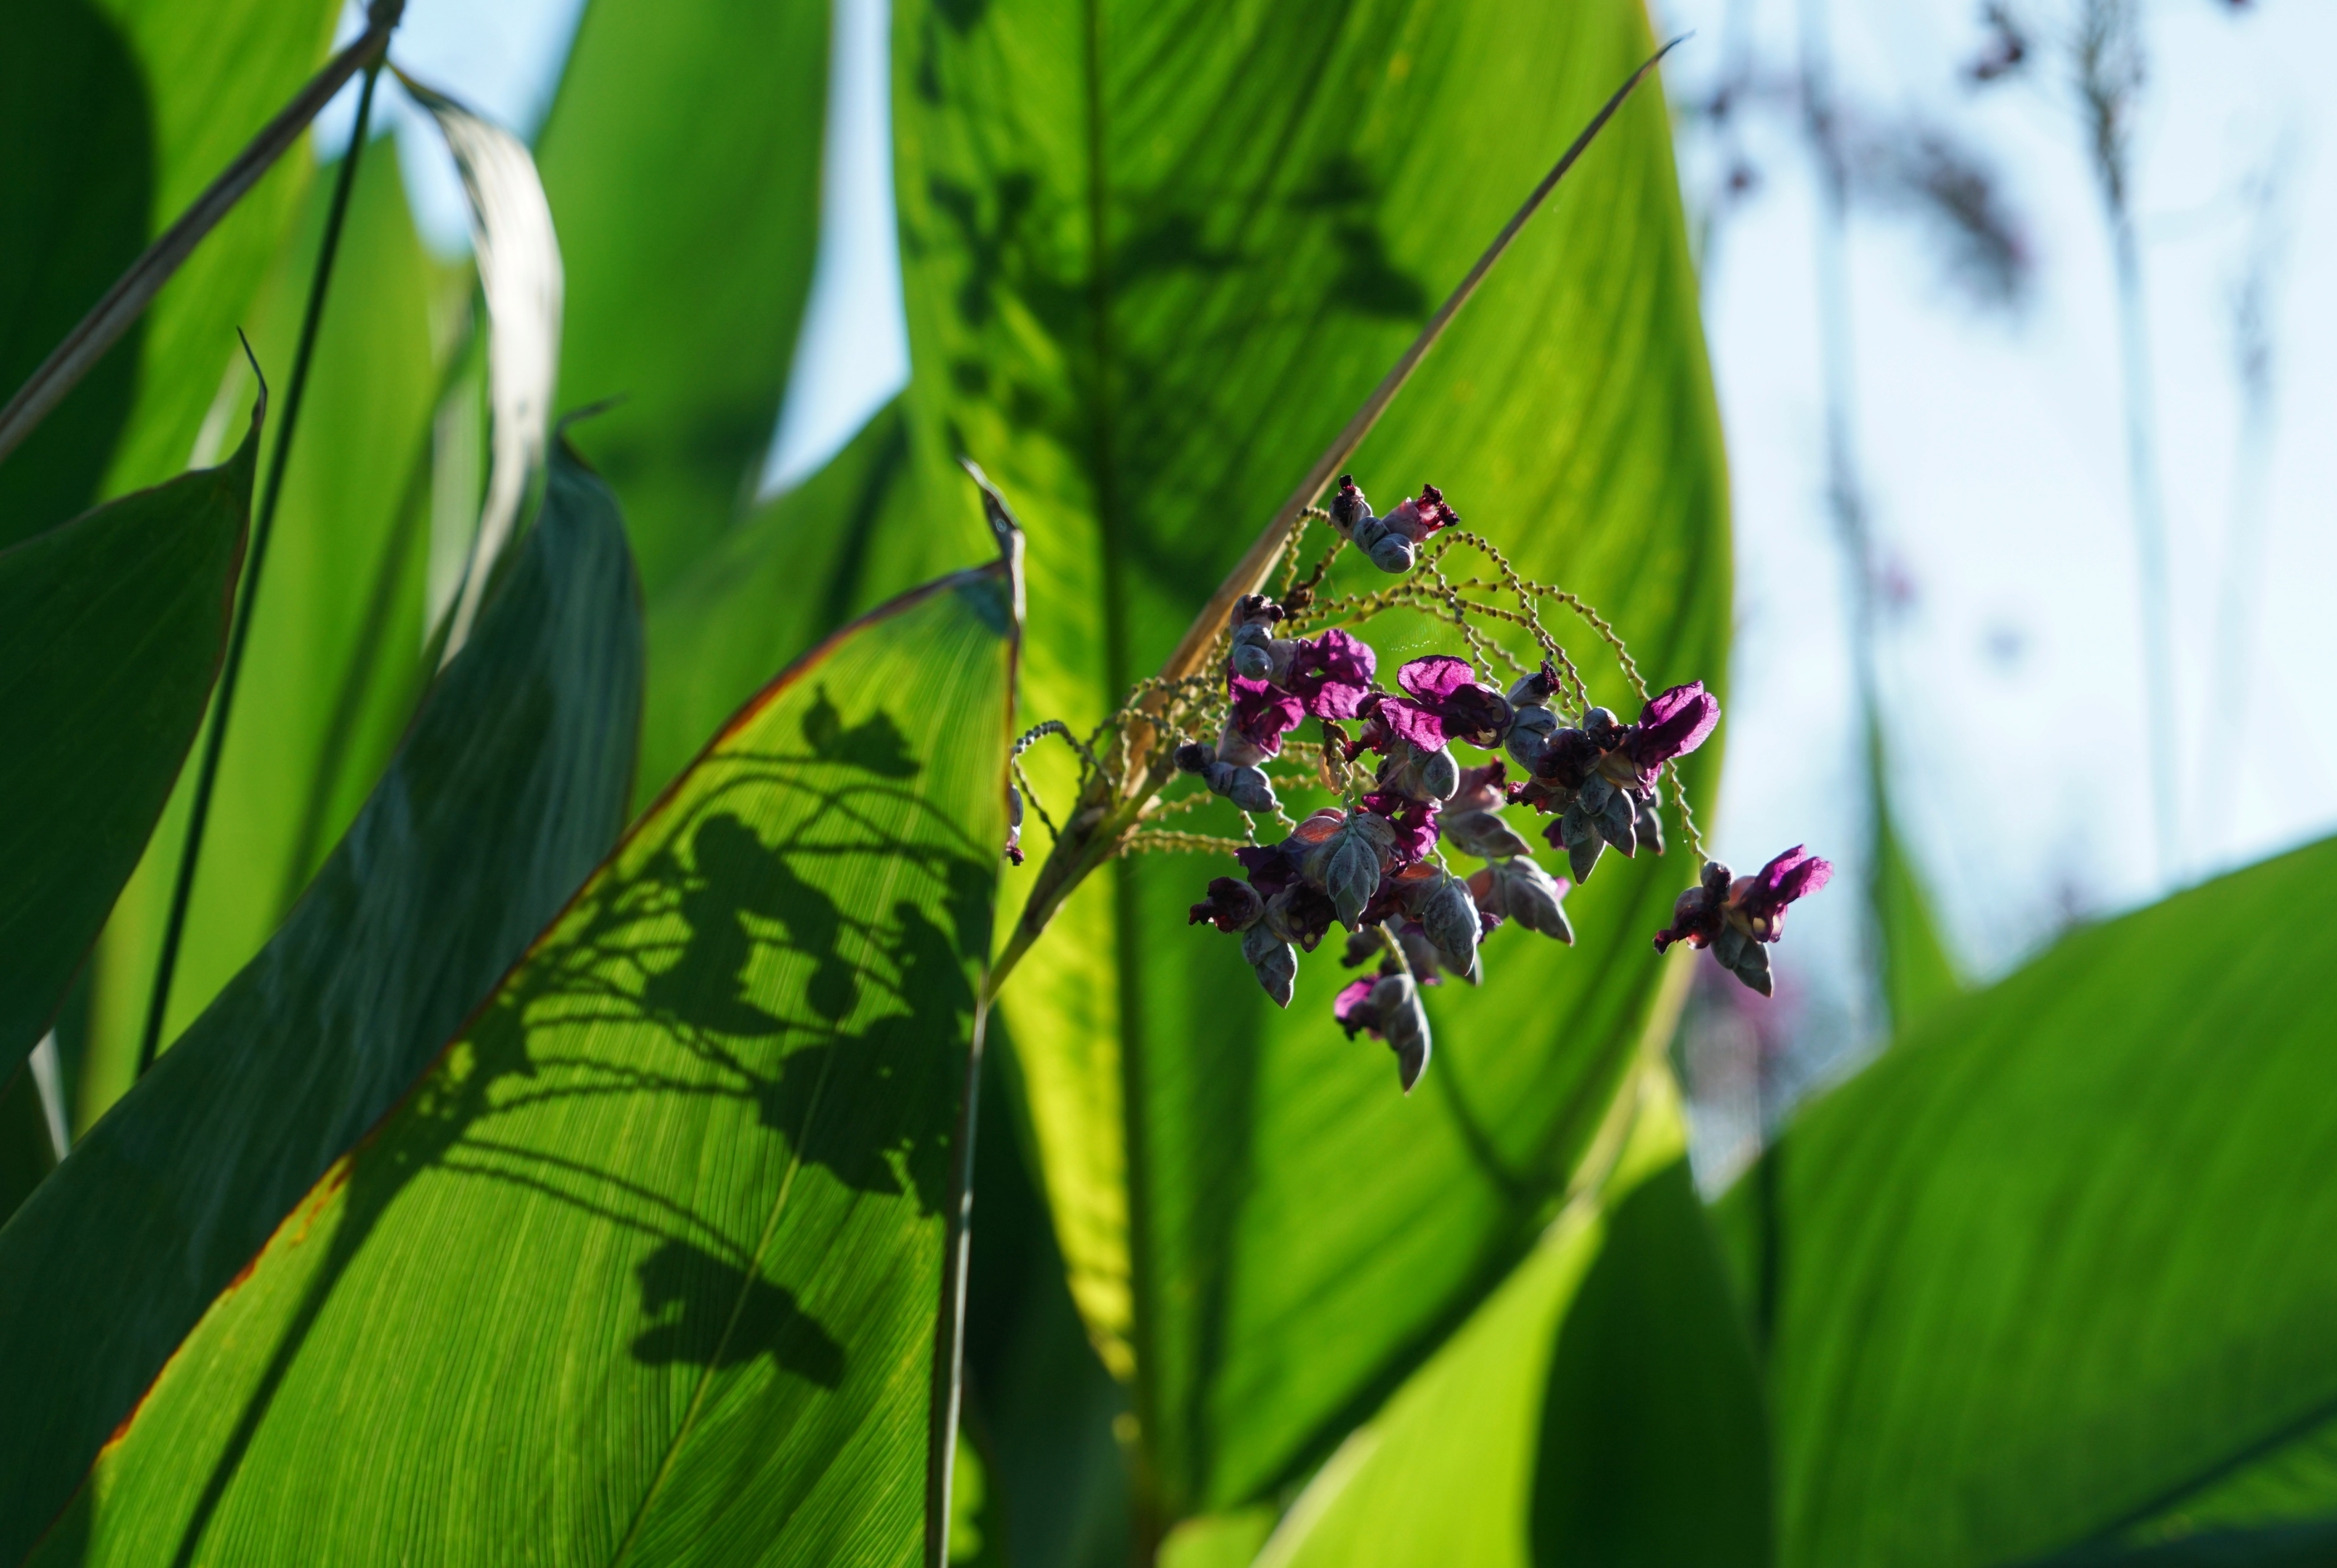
<point>214,744</point>
<point>135,290</point>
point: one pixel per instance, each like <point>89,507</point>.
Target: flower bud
<point>1531,897</point>
<point>1391,552</point>
<point>1576,833</point>
<point>1528,739</point>
<point>1347,864</point>
<point>1253,657</point>
<point>1404,1022</point>
<point>1348,507</point>
<point>1534,689</point>
<point>1483,834</point>
<point>1273,961</point>
<point>1247,787</point>
<point>1194,757</point>
<point>1449,915</point>
<point>1231,906</point>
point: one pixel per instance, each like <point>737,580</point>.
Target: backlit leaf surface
<point>1601,1407</point>
<point>1155,256</point>
<point>2059,1270</point>
<point>645,1266</point>
<point>682,159</point>
<point>509,790</point>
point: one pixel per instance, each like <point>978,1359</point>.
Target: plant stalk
<point>214,744</point>
<point>135,290</point>
<point>1100,824</point>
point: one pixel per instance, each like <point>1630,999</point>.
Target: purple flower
<point>1332,674</point>
<point>1415,823</point>
<point>1231,906</point>
<point>1270,867</point>
<point>1447,703</point>
<point>1736,916</point>
<point>1672,723</point>
<point>1262,714</point>
<point>1416,519</point>
<point>1350,1006</point>
<point>1762,897</point>
<point>1388,1006</point>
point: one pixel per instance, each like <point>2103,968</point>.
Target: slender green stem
<point>174,926</point>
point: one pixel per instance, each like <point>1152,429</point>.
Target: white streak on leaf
<point>520,274</point>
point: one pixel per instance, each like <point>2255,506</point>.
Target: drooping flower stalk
<point>1111,802</point>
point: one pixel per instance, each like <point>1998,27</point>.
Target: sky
<point>1991,443</point>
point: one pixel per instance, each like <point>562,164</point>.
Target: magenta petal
<point>1352,994</point>
<point>1672,723</point>
<point>1435,678</point>
<point>1263,713</point>
<point>1332,674</point>
<point>1796,874</point>
<point>1413,722</point>
<point>1415,823</point>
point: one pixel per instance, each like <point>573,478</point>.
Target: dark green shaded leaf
<point>1155,256</point>
<point>335,661</point>
<point>2058,1270</point>
<point>2310,1545</point>
<point>112,628</point>
<point>645,1266</point>
<point>27,1152</point>
<point>785,577</point>
<point>683,160</point>
<point>510,787</point>
<point>1602,1407</point>
<point>116,114</point>
<point>1039,1404</point>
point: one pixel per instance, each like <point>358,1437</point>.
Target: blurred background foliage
<point>2041,1284</point>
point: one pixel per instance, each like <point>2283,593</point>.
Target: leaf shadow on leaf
<point>678,942</point>
<point>1008,230</point>
<point>729,1317</point>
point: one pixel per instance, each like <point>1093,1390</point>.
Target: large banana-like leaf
<point>2059,1270</point>
<point>787,576</point>
<point>115,115</point>
<point>112,628</point>
<point>645,1266</point>
<point>335,660</point>
<point>682,159</point>
<point>509,790</point>
<point>1155,256</point>
<point>1601,1407</point>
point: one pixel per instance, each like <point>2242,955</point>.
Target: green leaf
<point>682,159</point>
<point>1040,1407</point>
<point>116,114</point>
<point>112,628</point>
<point>1155,256</point>
<point>2056,1270</point>
<point>335,659</point>
<point>647,1264</point>
<point>27,1150</point>
<point>1918,973</point>
<point>510,789</point>
<point>1601,1407</point>
<point>788,574</point>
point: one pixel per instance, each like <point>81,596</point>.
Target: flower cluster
<point>1374,863</point>
<point>1737,917</point>
<point>1391,541</point>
